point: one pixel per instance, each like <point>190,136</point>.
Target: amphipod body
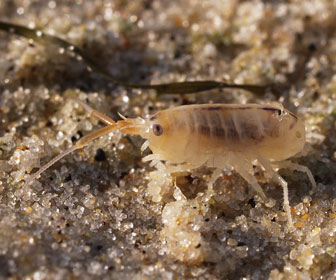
<point>212,134</point>
<point>215,135</point>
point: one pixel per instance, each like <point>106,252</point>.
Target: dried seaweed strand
<point>169,88</point>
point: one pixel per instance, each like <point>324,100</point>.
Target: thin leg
<point>94,113</point>
<point>151,157</point>
<point>284,185</point>
<point>215,175</point>
<point>251,180</point>
<point>79,144</point>
<point>298,167</point>
<point>182,167</point>
<point>155,158</point>
<point>166,169</point>
<point>269,169</point>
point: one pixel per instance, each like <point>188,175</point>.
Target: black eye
<point>280,112</point>
<point>157,129</point>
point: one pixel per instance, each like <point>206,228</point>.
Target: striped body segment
<point>226,122</point>
<point>219,129</point>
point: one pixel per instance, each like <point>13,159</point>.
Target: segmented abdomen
<point>228,124</point>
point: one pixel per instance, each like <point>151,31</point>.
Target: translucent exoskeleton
<point>214,135</point>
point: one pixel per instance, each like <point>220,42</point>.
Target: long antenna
<point>36,175</point>
<point>79,144</point>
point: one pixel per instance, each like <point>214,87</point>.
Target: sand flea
<point>215,135</point>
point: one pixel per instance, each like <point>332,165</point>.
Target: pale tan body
<point>218,130</point>
<point>215,135</point>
